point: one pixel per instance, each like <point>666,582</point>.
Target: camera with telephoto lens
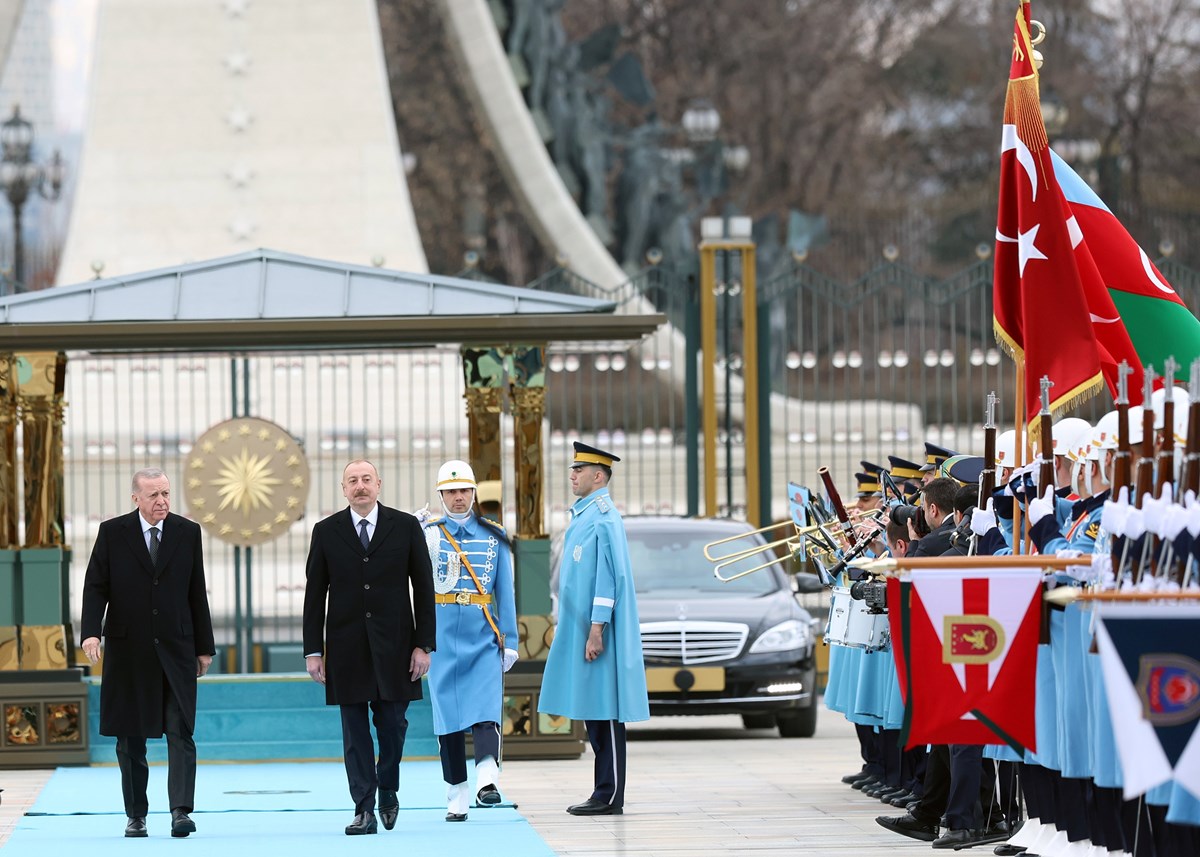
<point>872,592</point>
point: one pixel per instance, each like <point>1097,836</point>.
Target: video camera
<point>872,592</point>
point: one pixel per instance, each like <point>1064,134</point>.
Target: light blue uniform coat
<point>466,681</point>
<point>596,585</point>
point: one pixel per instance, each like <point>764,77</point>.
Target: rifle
<point>1190,478</point>
<point>1145,464</point>
<point>1123,460</point>
<point>1165,461</point>
<point>987,477</point>
<point>1046,440</point>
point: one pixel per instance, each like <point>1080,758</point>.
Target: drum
<point>851,624</point>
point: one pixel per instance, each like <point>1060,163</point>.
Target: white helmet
<point>1066,434</point>
<point>455,474</point>
<point>1106,433</point>
<point>1006,449</point>
<point>1182,402</point>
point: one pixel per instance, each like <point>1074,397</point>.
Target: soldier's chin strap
<point>457,516</point>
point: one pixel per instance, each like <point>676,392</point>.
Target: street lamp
<point>20,176</point>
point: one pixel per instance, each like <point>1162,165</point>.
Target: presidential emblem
<point>971,639</point>
<point>577,554</point>
<point>1169,688</point>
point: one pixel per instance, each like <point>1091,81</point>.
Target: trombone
<point>821,542</point>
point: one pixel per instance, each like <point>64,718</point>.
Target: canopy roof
<point>265,300</point>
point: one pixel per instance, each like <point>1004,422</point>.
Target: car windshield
<point>673,560</point>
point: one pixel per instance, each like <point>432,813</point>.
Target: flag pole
<point>1019,448</point>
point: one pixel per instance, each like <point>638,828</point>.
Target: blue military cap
<point>963,468</point>
<point>585,455</point>
<point>873,469</point>
<point>902,469</point>
<point>868,484</point>
<point>934,456</point>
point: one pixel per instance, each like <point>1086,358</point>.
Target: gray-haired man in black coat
<point>147,573</point>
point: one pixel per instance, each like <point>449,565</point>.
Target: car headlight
<point>792,634</point>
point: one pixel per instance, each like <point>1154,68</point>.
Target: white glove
<point>510,657</point>
<point>423,514</point>
<point>1114,514</point>
<point>1135,524</point>
<point>1040,507</point>
<point>1175,519</point>
<point>1152,513</point>
<point>1193,523</point>
<point>1102,572</point>
<point>983,520</point>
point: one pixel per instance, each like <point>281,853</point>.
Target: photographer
<point>964,503</point>
<point>938,505</point>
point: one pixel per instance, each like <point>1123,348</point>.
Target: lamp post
<point>20,176</point>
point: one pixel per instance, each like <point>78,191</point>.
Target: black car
<point>743,647</point>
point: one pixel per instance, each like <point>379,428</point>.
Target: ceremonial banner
<point>965,644</point>
<point>1150,658</point>
<point>1040,305</point>
<point>1134,303</point>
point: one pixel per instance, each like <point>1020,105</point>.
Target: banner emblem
<point>971,639</point>
<point>1169,687</point>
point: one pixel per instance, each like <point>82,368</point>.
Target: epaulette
<point>602,505</point>
<point>495,526</point>
<point>433,522</point>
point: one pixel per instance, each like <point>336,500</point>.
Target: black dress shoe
<point>591,806</point>
<point>908,825</point>
<point>901,799</point>
<point>1007,850</point>
<point>865,784</point>
<point>851,779</point>
<point>887,794</point>
<point>956,839</point>
<point>456,816</point>
<point>489,795</point>
<point>181,824</point>
<point>135,828</point>
<point>363,823</point>
<point>389,808</point>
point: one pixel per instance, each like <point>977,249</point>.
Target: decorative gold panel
<point>552,724</point>
<point>9,648</point>
<point>62,723</point>
<point>536,632</point>
<point>517,715</point>
<point>21,724</point>
<point>43,647</point>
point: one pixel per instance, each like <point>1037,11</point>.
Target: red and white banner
<point>965,643</point>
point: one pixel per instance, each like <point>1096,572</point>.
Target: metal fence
<point>856,371</point>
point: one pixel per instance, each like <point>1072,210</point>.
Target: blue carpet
<point>298,809</point>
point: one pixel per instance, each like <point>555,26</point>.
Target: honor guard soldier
<point>595,671</point>
<point>476,637</point>
<point>934,457</point>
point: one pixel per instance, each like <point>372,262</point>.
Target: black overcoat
<point>157,621</point>
<point>357,607</point>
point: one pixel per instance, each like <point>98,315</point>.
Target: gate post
<point>483,373</point>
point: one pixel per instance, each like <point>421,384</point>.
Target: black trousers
<point>362,771</point>
<point>607,738</point>
<point>453,749</point>
<point>181,762</point>
<point>959,788</point>
<point>871,748</point>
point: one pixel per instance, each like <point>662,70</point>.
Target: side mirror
<point>806,584</point>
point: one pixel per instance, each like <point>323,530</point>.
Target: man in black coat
<point>370,645</point>
<point>147,572</point>
<point>937,501</point>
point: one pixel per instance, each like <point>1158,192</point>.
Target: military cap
<point>964,469</point>
<point>585,455</point>
<point>868,484</point>
<point>903,469</point>
<point>873,469</point>
<point>934,456</point>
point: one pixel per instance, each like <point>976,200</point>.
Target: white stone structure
<point>217,126</point>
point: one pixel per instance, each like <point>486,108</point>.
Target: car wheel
<point>801,723</point>
<point>758,721</point>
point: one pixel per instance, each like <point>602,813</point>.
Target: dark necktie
<point>153,545</point>
<point>362,533</point>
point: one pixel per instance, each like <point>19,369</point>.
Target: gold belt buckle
<point>463,598</point>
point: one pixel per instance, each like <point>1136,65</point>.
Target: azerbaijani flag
<point>1137,303</point>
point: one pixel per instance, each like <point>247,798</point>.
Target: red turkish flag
<point>1040,297</point>
<point>965,643</point>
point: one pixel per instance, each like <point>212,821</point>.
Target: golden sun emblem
<point>248,480</point>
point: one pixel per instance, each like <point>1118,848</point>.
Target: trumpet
<point>823,543</point>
